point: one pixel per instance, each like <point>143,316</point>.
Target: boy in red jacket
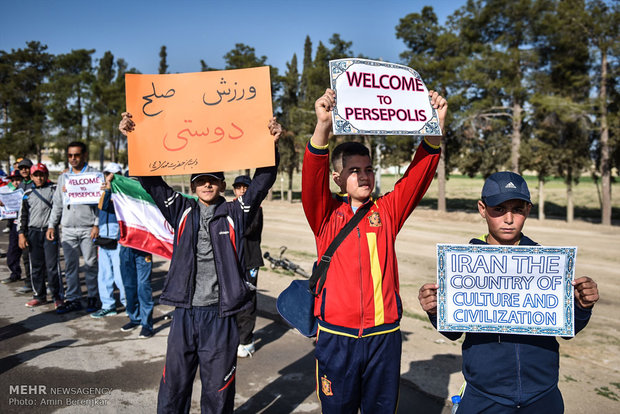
<point>359,343</point>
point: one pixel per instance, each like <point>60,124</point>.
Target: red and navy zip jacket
<point>512,369</point>
<point>361,290</point>
<point>226,230</point>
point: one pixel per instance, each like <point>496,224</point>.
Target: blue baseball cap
<point>503,186</point>
<point>242,179</point>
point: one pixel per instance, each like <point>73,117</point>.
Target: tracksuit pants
<point>358,372</point>
<point>14,253</point>
<point>44,264</point>
<point>246,319</point>
<point>76,240</point>
<point>199,337</point>
<point>475,402</point>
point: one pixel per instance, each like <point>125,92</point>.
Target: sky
<point>205,29</point>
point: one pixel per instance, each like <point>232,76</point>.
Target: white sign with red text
<point>84,188</point>
<point>380,98</point>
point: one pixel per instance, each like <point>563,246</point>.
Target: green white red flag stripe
<point>142,226</point>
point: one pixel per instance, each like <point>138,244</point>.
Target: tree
<point>563,125</point>
<point>503,57</point>
<point>602,27</point>
<point>109,103</point>
<point>69,89</point>
<point>27,99</point>
<point>436,54</point>
<point>244,56</point>
<point>163,60</point>
<point>289,100</point>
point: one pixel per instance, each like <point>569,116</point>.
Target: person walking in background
<point>13,253</point>
<point>246,319</point>
<point>109,250</point>
<point>79,229</point>
<point>23,167</point>
<point>31,228</point>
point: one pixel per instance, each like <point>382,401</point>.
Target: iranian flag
<point>142,225</point>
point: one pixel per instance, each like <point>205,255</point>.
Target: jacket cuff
<point>318,150</point>
<point>582,314</point>
<point>431,149</point>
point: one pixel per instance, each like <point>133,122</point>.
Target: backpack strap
<point>319,273</point>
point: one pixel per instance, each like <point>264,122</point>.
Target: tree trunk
<point>515,142</point>
<point>441,181</point>
<point>541,198</point>
<point>281,188</point>
<point>380,141</point>
<point>605,163</point>
<point>570,210</point>
<point>290,186</point>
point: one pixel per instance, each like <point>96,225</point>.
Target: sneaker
<point>24,289</point>
<point>7,230</point>
<point>130,326</point>
<point>58,303</point>
<point>244,351</point>
<point>91,305</point>
<point>35,302</point>
<point>103,313</point>
<point>70,306</point>
<point>9,280</point>
<point>145,332</point>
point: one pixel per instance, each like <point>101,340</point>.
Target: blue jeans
<point>110,274</point>
<point>136,269</point>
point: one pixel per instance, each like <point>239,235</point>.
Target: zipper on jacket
<point>359,253</point>
<point>519,389</point>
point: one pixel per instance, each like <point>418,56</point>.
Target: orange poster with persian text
<point>197,122</point>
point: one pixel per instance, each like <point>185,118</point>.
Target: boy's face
<point>39,178</point>
<point>240,189</point>
<point>357,178</point>
<point>24,172</point>
<point>505,221</point>
<point>208,188</point>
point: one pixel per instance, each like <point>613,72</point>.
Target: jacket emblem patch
<point>326,386</point>
<point>374,220</point>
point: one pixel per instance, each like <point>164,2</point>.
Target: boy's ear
<point>336,177</point>
<point>482,209</point>
<point>223,188</point>
<point>192,187</point>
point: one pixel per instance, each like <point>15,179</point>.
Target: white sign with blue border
<point>380,98</point>
<point>506,289</point>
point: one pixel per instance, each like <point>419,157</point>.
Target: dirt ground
<point>590,363</point>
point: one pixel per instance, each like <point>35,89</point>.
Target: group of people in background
<point>92,231</point>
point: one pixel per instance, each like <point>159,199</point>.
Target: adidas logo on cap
<point>510,185</point>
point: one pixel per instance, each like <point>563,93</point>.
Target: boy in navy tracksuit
<point>511,373</point>
<point>205,282</point>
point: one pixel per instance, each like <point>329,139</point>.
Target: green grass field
<point>462,192</point>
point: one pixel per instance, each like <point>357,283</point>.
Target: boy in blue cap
<point>508,373</point>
